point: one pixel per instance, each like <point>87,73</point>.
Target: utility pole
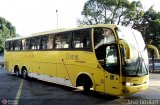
<point>57,17</point>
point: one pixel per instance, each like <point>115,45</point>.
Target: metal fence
<point>156,65</point>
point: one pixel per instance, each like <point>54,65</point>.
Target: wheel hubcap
<point>17,73</point>
<point>24,74</point>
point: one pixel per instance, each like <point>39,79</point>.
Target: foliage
<point>149,25</point>
<point>111,11</point>
<point>6,31</point>
<point>123,12</point>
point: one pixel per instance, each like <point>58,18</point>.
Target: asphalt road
<point>15,90</point>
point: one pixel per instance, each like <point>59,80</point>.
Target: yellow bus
<point>106,58</point>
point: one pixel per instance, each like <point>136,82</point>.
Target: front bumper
<point>133,89</point>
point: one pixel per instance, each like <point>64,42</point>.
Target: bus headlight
<point>128,83</point>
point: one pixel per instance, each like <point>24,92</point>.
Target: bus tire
<point>16,71</point>
<point>86,86</point>
<point>24,73</point>
<point>85,81</point>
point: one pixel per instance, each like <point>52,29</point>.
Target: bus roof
<point>64,30</point>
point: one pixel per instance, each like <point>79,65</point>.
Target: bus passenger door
<point>112,70</point>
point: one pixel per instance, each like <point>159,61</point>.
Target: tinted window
<point>47,42</point>
<point>11,45</point>
<point>103,36</point>
<point>35,43</point>
<point>50,42</point>
<point>7,45</point>
<point>81,39</point>
<point>111,59</point>
<point>17,45</point>
<point>44,42</point>
<point>25,44</point>
<point>62,41</point>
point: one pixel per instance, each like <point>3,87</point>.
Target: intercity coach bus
<point>106,58</point>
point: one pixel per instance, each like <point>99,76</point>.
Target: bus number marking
<point>72,56</point>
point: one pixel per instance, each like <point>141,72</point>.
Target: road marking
<point>18,93</point>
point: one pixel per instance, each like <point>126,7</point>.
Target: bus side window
<point>44,40</point>
<point>62,41</point>
<point>81,39</point>
<point>17,45</point>
<point>35,43</point>
<point>25,44</point>
<point>7,45</point>
<point>11,46</point>
<point>50,42</point>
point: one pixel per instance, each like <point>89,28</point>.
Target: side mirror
<point>154,48</point>
<point>126,46</point>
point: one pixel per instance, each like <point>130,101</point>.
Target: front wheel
<point>86,85</point>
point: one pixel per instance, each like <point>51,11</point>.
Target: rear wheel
<point>16,71</point>
<point>24,73</point>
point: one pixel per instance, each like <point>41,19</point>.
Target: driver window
<point>111,59</point>
<point>111,55</point>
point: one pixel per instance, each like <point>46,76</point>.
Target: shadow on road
<point>40,92</point>
<point>51,89</point>
<point>71,89</point>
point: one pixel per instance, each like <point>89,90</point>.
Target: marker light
<point>128,84</point>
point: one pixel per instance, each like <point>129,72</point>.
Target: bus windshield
<point>137,65</point>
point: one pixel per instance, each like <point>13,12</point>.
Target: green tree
<point>111,11</point>
<point>149,26</point>
<point>6,31</point>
